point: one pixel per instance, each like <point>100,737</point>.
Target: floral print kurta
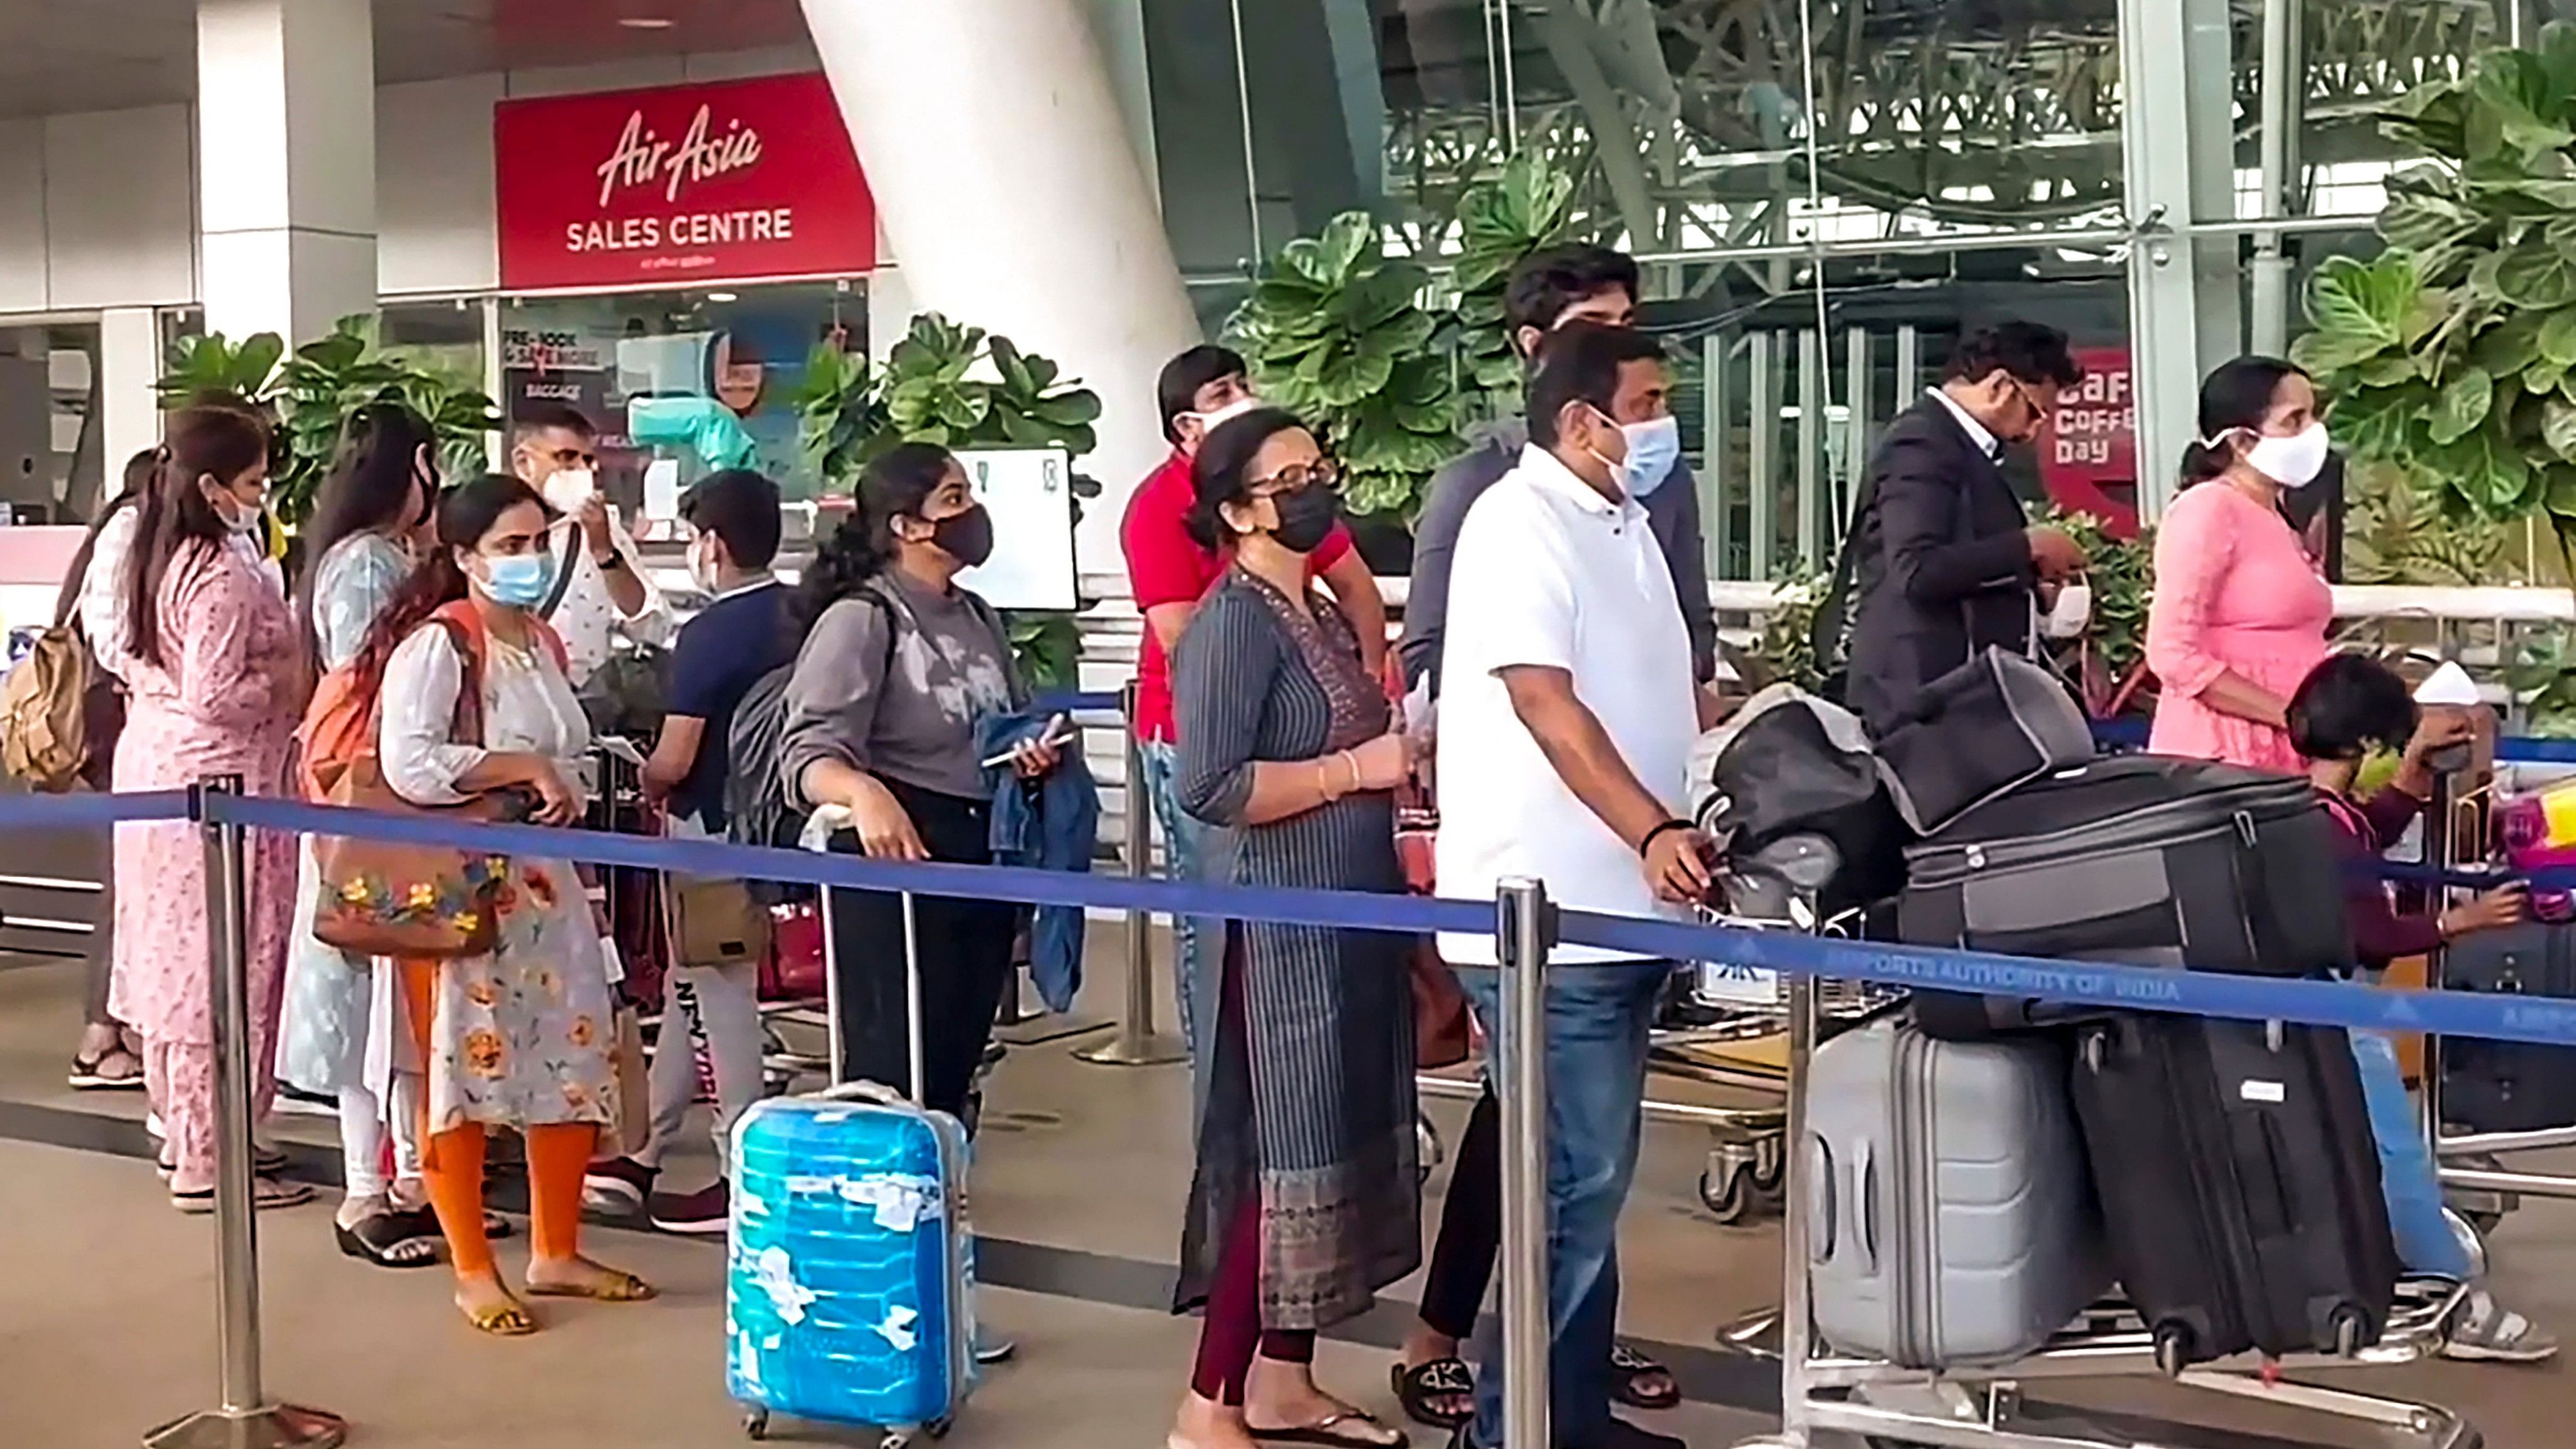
<point>520,1037</point>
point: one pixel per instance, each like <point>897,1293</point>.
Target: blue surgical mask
<point>1654,449</point>
<point>518,581</point>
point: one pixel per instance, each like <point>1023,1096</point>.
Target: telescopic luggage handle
<point>820,827</point>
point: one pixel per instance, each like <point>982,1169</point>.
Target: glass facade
<point>1827,192</point>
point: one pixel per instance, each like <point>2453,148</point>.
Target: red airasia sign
<point>735,181</point>
<point>2088,448</point>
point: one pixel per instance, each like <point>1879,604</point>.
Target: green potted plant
<point>961,388</point>
<point>312,392</point>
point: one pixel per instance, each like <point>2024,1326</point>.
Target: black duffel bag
<point>1789,764</point>
<point>1995,722</point>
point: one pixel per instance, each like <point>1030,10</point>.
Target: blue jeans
<point>1597,1020</point>
<point>1183,842</point>
<point>2408,1177</point>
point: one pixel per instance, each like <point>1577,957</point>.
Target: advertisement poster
<point>681,186</point>
<point>2088,448</point>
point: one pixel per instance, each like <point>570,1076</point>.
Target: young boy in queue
<point>2347,707</point>
<point>744,632</point>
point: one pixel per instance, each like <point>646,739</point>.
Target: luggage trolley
<point>1985,1407</point>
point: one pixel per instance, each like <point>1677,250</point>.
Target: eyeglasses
<point>1296,477</point>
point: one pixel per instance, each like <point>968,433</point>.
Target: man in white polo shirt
<point>1567,715</point>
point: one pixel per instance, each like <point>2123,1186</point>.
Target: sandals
<point>1629,1371</point>
<point>91,1072</point>
<point>1321,1433</point>
<point>506,1319</point>
<point>265,1193</point>
<point>615,1288</point>
<point>1421,1388</point>
<point>393,1239</point>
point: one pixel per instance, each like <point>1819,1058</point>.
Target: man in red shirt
<point>1170,573</point>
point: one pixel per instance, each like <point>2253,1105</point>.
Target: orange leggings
<point>452,1163</point>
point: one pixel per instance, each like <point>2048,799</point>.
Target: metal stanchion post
<point>1522,930</point>
<point>1137,1043</point>
<point>246,1419</point>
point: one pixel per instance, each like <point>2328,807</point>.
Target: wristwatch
<point>614,561</point>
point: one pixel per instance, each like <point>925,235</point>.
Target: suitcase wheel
<point>755,1424</point>
<point>2173,1349</point>
<point>2349,1330</point>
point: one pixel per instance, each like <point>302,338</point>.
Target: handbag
<point>1993,723</point>
<point>387,898</point>
<point>1441,1027</point>
<point>634,1126</point>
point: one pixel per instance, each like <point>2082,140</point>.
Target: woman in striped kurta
<point>1305,1200</point>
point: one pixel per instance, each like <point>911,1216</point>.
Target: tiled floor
<point>106,1297</point>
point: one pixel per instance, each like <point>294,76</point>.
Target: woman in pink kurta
<point>218,681</point>
<point>2240,613</point>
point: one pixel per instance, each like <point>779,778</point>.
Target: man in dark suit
<point>1946,561</point>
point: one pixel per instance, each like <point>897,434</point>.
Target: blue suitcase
<point>849,1294</point>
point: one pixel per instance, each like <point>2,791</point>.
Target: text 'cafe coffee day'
<point>737,181</point>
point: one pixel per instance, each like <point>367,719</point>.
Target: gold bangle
<point>1353,761</point>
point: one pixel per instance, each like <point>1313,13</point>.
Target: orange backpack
<point>340,723</point>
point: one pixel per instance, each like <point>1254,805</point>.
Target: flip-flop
<point>1419,1387</point>
<point>1628,1368</point>
<point>265,1193</point>
<point>380,1237</point>
<point>89,1073</point>
<point>1321,1433</point>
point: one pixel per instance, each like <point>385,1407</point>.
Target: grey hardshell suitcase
<point>1951,1219</point>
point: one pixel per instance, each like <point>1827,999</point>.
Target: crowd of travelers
<point>1558,649</point>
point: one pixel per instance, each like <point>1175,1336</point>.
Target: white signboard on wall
<point>1030,494</point>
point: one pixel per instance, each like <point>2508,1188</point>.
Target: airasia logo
<point>643,158</point>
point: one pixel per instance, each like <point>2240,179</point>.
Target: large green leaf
<point>2485,471</point>
<point>2463,405</point>
<point>2423,222</point>
<point>2361,308</point>
<point>2509,346</point>
<point>2537,275</point>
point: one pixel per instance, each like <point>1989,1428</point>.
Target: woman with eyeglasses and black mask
<point>1306,1199</point>
<point>899,665</point>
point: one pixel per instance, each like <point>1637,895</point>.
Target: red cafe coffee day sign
<point>685,186</point>
<point>2088,448</point>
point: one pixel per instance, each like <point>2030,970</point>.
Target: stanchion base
<point>1126,1051</point>
<point>278,1426</point>
<point>1036,1031</point>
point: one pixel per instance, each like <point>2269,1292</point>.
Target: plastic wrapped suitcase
<point>2139,859</point>
<point>849,1296</point>
<point>1951,1217</point>
<point>2240,1184</point>
<point>2504,1086</point>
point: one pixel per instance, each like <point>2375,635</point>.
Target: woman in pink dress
<point>218,683</point>
<point>2240,612</point>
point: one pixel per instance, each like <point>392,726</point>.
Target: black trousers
<point>1471,1226</point>
<point>964,947</point>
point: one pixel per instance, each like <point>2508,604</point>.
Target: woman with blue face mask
<point>473,699</point>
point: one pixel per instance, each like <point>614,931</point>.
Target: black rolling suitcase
<point>2510,1086</point>
<point>2138,859</point>
<point>2239,1184</point>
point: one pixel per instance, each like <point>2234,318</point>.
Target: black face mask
<point>966,537</point>
<point>1306,517</point>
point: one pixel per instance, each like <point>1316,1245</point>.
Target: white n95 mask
<point>2073,611</point>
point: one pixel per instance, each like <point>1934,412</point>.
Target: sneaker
<point>616,1185</point>
<point>2486,1332</point>
<point>704,1213</point>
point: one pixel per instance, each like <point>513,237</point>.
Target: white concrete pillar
<point>129,364</point>
<point>1009,190</point>
<point>286,164</point>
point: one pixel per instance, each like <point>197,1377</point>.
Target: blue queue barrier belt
<point>1077,702</point>
<point>2248,998</point>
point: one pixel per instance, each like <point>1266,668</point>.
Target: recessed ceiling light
<point>646,22</point>
<point>720,296</point>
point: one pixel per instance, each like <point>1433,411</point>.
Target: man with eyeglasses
<point>1944,558</point>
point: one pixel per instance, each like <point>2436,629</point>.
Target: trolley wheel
<point>2485,1222</point>
<point>1732,1201</point>
<point>2348,1332</point>
<point>755,1424</point>
<point>938,1428</point>
<point>2173,1349</point>
<point>1769,1183</point>
<point>1428,1150</point>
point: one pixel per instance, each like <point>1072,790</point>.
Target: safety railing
<point>1526,927</point>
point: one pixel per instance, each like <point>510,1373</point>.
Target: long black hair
<point>894,486</point>
<point>217,440</point>
<point>2238,396</point>
<point>1222,473</point>
<point>2347,704</point>
<point>466,512</point>
<point>374,485</point>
